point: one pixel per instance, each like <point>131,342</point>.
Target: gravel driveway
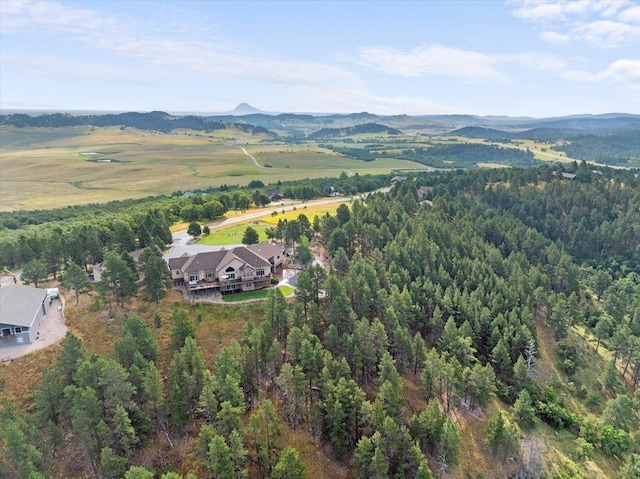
<point>51,331</point>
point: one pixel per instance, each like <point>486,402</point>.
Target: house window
<point>208,274</point>
<point>177,271</point>
<point>230,272</point>
<point>260,272</point>
<point>6,332</point>
<point>193,277</point>
<point>231,287</point>
<point>17,329</point>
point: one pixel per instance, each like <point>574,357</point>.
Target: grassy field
<point>233,235</point>
<point>47,168</point>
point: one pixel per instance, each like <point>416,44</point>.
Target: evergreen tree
<point>183,328</point>
<point>219,459</point>
<point>194,229</point>
<point>502,437</point>
<point>186,379</point>
<point>75,278</point>
<point>33,272</point>
<point>289,466</point>
<point>157,277</point>
<point>265,431</point>
<point>523,410</point>
<point>250,236</point>
<point>118,278</point>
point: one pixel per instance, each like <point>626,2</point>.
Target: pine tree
<point>157,277</point>
<point>502,437</point>
<point>75,278</point>
<point>289,466</point>
<point>523,410</point>
<point>183,328</point>
<point>186,380</point>
<point>219,459</point>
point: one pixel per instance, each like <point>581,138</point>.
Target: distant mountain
<point>244,109</point>
<point>480,132</point>
<point>587,122</point>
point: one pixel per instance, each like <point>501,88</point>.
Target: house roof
<point>137,253</point>
<point>423,190</point>
<point>212,260</point>
<point>266,249</point>
<point>177,263</point>
<point>203,261</point>
<point>251,258</point>
<point>19,304</point>
<point>398,178</point>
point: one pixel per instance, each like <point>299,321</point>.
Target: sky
<point>516,57</point>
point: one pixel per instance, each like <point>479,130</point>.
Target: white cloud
<point>555,37</point>
<point>630,15</point>
<point>173,52</point>
<point>606,33</point>
<point>600,24</point>
<point>431,60</point>
<point>623,71</point>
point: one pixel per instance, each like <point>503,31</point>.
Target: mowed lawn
<point>233,235</point>
<point>80,165</point>
<point>249,295</point>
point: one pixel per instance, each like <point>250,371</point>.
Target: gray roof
<point>19,304</point>
<point>266,249</point>
<point>211,260</point>
<point>178,263</point>
<point>251,258</point>
<point>208,261</point>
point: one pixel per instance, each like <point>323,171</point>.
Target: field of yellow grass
<point>78,165</point>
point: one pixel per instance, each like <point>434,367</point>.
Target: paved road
<point>182,241</point>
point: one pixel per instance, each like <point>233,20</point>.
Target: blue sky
<point>516,57</point>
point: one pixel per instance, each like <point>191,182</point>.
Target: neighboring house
<point>423,190</point>
<point>272,252</point>
<point>397,179</point>
<point>21,310</point>
<point>137,253</point>
<point>564,176</point>
<point>227,271</point>
<point>274,195</point>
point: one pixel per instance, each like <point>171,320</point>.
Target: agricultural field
<point>48,168</point>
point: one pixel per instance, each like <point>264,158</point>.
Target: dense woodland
<point>431,315</point>
<point>617,147</point>
<point>459,155</point>
<point>153,121</point>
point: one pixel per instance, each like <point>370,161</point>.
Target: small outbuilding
<point>21,310</point>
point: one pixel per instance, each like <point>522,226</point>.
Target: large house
<point>244,268</point>
<point>21,310</point>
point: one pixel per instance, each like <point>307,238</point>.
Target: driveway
<point>51,331</point>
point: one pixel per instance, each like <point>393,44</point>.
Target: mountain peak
<point>244,109</point>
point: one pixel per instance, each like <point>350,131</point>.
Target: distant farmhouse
<point>21,310</point>
<point>398,179</point>
<point>274,195</point>
<point>245,268</point>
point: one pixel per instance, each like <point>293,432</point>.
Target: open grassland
<point>309,211</point>
<point>47,168</point>
<point>234,235</point>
